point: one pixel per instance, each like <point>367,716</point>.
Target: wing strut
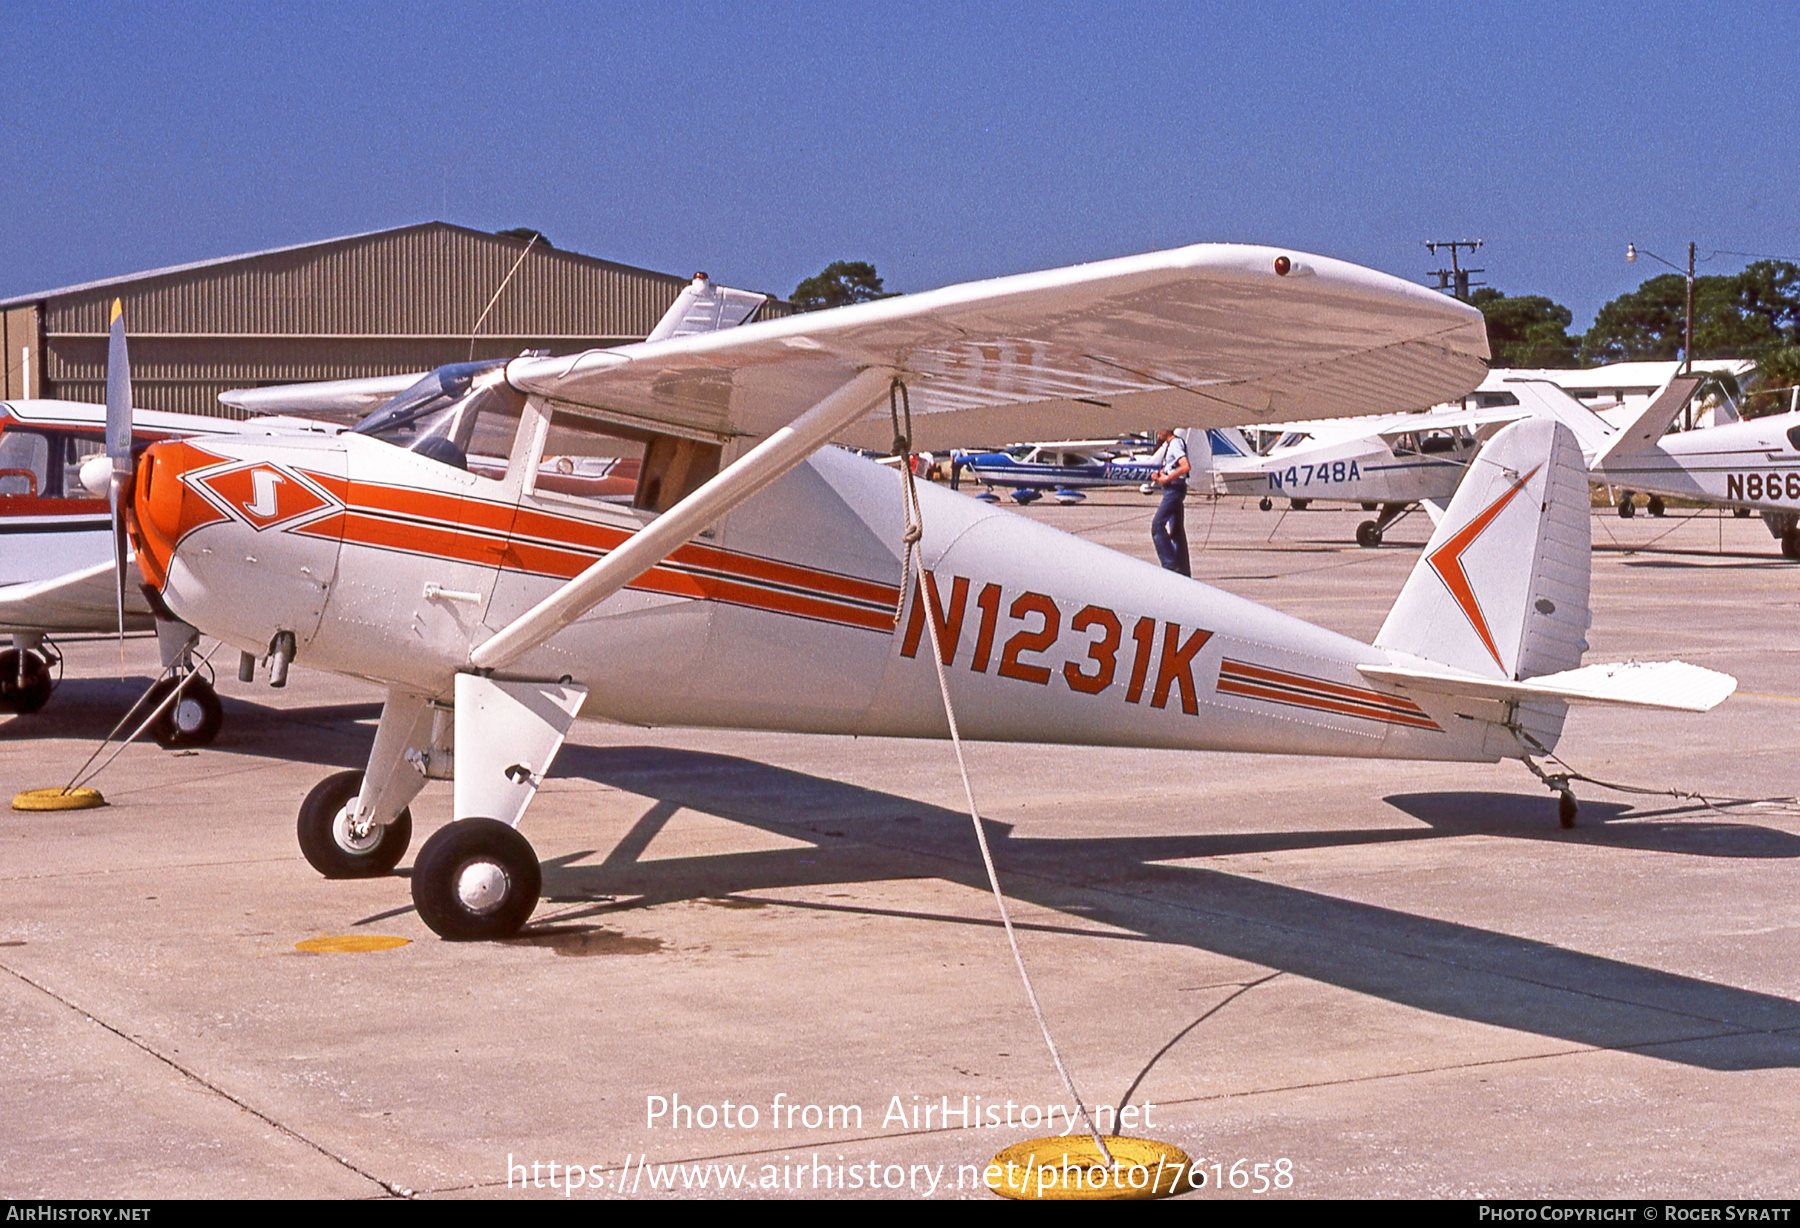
<point>749,474</point>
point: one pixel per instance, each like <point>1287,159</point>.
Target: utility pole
<point>1455,279</point>
<point>1687,340</point>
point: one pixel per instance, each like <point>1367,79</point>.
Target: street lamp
<point>1687,342</point>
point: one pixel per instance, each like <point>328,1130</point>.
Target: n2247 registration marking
<point>1100,631</point>
<point>1303,475</point>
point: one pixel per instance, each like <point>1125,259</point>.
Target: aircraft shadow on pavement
<point>1460,971</point>
<point>86,709</point>
<point>1701,833</point>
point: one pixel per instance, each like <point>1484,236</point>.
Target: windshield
<point>463,408</point>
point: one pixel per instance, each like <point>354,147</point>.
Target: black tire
<point>1267,504</point>
<point>1742,513</point>
<point>1627,509</point>
<point>1368,535</point>
<point>1566,809</point>
<point>1299,505</point>
<point>1790,544</point>
<point>327,846</point>
<point>192,720</point>
<point>449,870</point>
<point>1654,505</point>
<point>29,694</point>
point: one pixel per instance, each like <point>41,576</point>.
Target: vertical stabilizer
<point>1501,591</point>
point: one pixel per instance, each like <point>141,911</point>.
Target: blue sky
<point>942,142</point>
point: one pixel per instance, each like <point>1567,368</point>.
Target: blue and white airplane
<point>1065,468</point>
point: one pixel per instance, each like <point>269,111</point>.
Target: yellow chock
<point>1070,1167</point>
<point>343,944</point>
<point>58,799</point>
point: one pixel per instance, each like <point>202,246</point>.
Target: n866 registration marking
<point>1770,486</point>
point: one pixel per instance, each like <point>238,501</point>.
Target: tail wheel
<point>1368,534</point>
<point>24,689</point>
<point>476,879</point>
<point>329,840</point>
<point>194,719</point>
<point>1267,504</point>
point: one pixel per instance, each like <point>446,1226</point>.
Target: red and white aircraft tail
<point>1497,607</point>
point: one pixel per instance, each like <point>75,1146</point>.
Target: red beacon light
<point>1283,266</point>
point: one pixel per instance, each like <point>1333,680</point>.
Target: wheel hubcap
<point>343,830</point>
<point>482,887</point>
<point>189,715</point>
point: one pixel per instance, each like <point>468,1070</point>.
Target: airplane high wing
<point>1198,336</point>
<point>1208,335</point>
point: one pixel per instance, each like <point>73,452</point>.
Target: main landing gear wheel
<point>331,844</point>
<point>1790,543</point>
<point>1266,505</point>
<point>1654,505</point>
<point>1627,508</point>
<point>25,693</point>
<point>1368,534</point>
<point>1566,809</point>
<point>1299,505</point>
<point>476,879</point>
<point>192,720</point>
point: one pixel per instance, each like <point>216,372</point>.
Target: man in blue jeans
<point>1168,530</point>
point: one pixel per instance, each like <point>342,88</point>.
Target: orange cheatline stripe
<point>438,541</point>
<point>551,528</point>
<point>1249,671</point>
<point>1269,695</point>
<point>1446,560</point>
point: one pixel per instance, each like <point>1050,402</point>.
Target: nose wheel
<point>194,719</point>
<point>476,879</point>
<point>331,841</point>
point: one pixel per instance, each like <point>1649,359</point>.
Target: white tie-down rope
<point>899,406</point>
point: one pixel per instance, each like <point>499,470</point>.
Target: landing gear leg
<point>356,824</point>
<point>478,878</point>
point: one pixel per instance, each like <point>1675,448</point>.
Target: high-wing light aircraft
<point>1395,462</point>
<point>1064,468</point>
<point>1751,464</point>
<point>56,564</point>
<point>755,578</point>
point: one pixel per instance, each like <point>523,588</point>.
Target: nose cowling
<point>160,509</point>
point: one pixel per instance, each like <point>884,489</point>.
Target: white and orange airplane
<point>755,577</point>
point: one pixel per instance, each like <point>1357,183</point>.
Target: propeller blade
<point>118,450</point>
<point>118,396</point>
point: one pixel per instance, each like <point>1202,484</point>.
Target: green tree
<point>1777,372</point>
<point>526,233</point>
<point>1739,315</point>
<point>1527,331</point>
<point>841,283</point>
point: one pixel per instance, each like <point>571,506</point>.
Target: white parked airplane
<point>1395,462</point>
<point>756,577</point>
<point>1752,464</point>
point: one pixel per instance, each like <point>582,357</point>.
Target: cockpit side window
<point>592,460</point>
<point>25,466</point>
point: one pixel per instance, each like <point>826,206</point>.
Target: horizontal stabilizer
<point>1637,684</point>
